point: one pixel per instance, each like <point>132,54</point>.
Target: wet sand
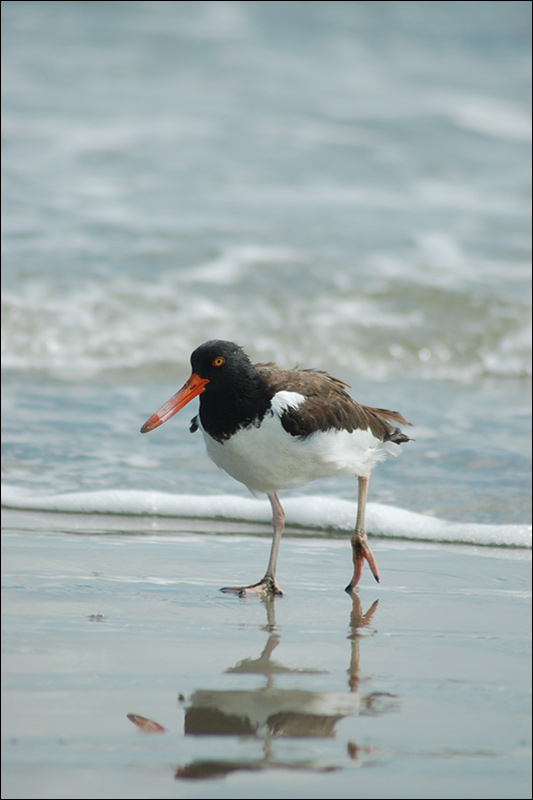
<point>416,688</point>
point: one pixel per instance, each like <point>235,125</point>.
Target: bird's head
<point>217,366</point>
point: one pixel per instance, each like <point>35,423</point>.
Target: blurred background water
<point>343,185</point>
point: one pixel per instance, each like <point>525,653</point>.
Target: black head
<point>230,389</point>
<point>234,395</point>
<point>224,364</point>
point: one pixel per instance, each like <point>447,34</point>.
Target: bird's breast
<point>267,458</point>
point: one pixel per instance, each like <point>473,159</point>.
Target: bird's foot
<point>267,585</point>
<point>361,552</point>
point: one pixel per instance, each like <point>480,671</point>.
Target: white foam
<point>77,329</point>
<point>309,512</point>
<point>492,116</point>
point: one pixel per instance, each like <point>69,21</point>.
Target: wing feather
<point>328,406</point>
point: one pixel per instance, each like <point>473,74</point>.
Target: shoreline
<point>422,679</point>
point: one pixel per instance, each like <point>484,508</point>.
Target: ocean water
<point>339,185</point>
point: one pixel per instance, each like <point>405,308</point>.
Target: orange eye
<point>218,361</point>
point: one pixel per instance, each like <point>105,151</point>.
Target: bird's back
<point>328,406</point>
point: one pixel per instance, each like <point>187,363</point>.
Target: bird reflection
<point>269,713</point>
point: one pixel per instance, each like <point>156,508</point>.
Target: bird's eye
<point>218,361</point>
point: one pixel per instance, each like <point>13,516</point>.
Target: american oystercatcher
<point>273,429</point>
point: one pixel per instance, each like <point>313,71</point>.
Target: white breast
<point>267,458</point>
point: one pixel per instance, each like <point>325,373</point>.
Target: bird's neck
<point>225,411</point>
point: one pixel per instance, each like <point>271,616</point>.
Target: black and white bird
<point>273,429</point>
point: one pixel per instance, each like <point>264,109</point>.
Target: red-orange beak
<point>194,386</point>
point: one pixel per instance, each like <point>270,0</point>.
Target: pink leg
<point>360,548</point>
<point>267,584</point>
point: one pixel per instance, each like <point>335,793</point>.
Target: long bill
<point>194,386</point>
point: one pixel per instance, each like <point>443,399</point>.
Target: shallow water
<point>418,687</point>
<point>469,461</point>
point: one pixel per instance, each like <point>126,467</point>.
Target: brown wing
<point>327,405</point>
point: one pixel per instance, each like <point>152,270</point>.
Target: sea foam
<point>322,513</point>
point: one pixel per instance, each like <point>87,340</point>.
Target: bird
<point>273,429</point>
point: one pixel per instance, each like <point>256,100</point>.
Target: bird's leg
<point>360,548</point>
<point>267,584</point>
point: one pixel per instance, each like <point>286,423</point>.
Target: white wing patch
<point>284,400</point>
